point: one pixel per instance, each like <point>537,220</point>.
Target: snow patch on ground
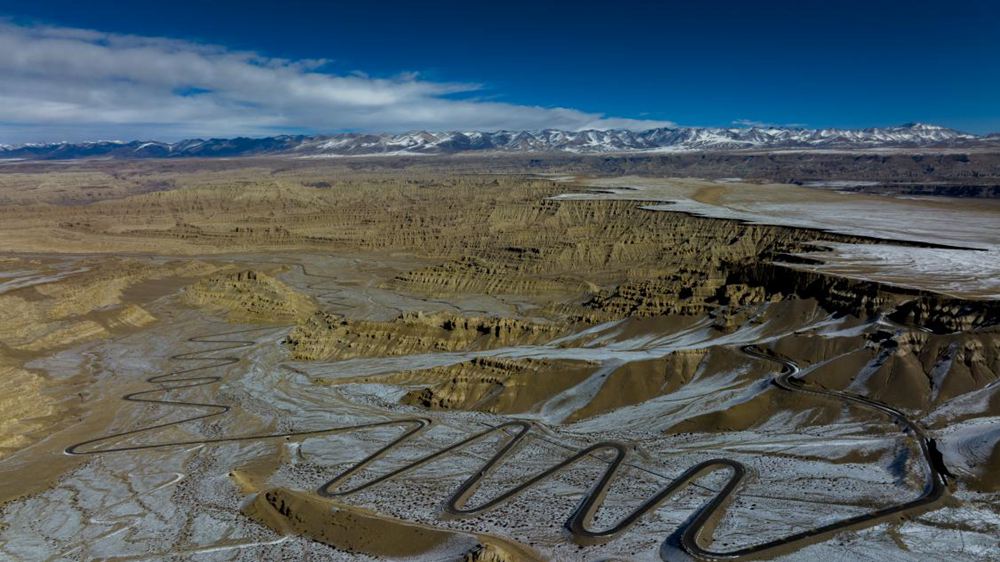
<point>968,445</point>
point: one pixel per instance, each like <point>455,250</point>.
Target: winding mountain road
<point>693,534</point>
<point>513,434</point>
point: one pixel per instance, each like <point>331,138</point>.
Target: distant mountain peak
<point>591,141</point>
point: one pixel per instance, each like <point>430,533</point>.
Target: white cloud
<point>71,84</point>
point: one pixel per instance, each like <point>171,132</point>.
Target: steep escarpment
<point>696,290</point>
<point>567,246</point>
<point>476,275</point>
<point>686,291</point>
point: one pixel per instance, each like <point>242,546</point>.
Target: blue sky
<point>76,69</point>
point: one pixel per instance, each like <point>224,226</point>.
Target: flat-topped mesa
<point>329,336</point>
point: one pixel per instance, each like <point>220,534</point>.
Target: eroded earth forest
<point>496,359</point>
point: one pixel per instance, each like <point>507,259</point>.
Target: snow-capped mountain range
<point>675,139</point>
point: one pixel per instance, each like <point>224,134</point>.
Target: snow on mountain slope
<point>912,135</point>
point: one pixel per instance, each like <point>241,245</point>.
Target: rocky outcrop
<point>250,296</point>
<point>328,336</point>
<point>492,384</point>
<point>837,294</point>
<point>491,553</point>
<point>685,291</point>
<point>942,314</point>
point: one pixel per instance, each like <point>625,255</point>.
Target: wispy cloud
<point>764,124</point>
<point>69,84</point>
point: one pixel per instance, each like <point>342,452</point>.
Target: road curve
<point>696,531</point>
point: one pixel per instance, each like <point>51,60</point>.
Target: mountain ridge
<point>591,141</point>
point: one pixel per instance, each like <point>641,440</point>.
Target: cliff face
<point>942,314</point>
<point>561,246</point>
<point>919,309</point>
